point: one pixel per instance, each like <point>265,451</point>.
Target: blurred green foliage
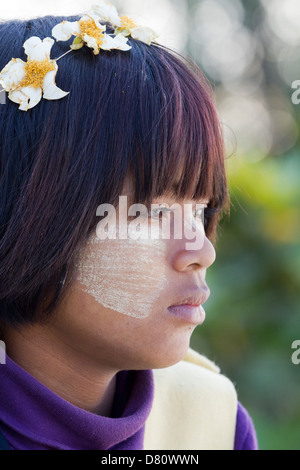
<point>253,311</point>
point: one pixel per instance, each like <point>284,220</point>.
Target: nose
<point>193,252</point>
<point>184,259</point>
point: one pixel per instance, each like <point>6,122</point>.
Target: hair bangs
<point>179,146</point>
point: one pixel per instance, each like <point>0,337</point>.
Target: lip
<point>189,307</point>
<point>195,299</point>
<point>194,314</point>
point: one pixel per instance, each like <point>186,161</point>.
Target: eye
<point>199,214</point>
<point>209,212</point>
<point>158,212</point>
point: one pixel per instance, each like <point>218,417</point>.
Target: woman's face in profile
<point>117,308</point>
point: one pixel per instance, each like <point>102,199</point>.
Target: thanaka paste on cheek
<point>126,276</point>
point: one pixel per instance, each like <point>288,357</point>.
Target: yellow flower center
<point>35,71</point>
<point>127,23</point>
<point>90,28</point>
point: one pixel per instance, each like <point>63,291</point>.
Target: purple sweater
<point>35,418</point>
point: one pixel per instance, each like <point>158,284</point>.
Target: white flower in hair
<point>123,24</point>
<point>107,12</point>
<point>143,34</point>
<point>27,82</point>
<point>88,30</point>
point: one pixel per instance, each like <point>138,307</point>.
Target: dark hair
<point>144,112</point>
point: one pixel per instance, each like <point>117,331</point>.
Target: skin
<point>78,353</point>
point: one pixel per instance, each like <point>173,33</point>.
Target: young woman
<point>97,329</point>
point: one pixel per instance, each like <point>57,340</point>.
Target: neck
<point>61,368</point>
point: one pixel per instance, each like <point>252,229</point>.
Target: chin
<point>168,354</point>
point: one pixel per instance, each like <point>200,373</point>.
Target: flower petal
<point>91,42</point>
<point>26,97</point>
<point>120,42</point>
<point>50,90</point>
<point>107,12</point>
<point>96,19</point>
<point>37,49</point>
<point>108,43</point>
<point>117,42</point>
<point>12,74</point>
<point>63,31</point>
<point>143,34</point>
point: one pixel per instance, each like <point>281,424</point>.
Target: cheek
<point>126,276</point>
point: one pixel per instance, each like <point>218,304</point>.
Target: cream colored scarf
<point>194,407</point>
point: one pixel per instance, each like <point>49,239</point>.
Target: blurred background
<point>250,52</point>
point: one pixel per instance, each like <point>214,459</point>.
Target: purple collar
<point>34,417</point>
